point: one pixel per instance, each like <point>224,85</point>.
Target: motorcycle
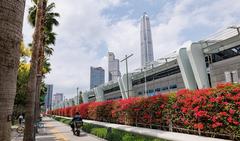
<point>77,127</point>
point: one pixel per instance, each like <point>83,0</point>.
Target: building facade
<point>58,97</point>
<point>146,41</point>
<point>113,67</point>
<point>97,76</point>
<point>48,97</point>
<point>202,64</point>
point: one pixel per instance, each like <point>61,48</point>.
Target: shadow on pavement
<point>83,135</point>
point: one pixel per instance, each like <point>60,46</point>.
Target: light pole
<point>126,60</point>
<point>64,102</point>
<point>145,80</point>
<point>77,97</point>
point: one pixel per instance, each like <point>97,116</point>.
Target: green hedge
<point>63,120</point>
<point>110,135</point>
<point>115,134</point>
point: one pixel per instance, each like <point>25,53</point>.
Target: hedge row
<point>213,111</point>
<point>112,134</point>
<point>115,134</point>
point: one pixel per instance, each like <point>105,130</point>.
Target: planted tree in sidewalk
<point>47,40</point>
<point>22,80</point>
<point>11,21</point>
<point>31,88</point>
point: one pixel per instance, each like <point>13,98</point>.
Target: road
<point>56,131</point>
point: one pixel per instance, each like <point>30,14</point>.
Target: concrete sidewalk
<point>56,131</point>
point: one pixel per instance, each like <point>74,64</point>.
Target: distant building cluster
<point>58,98</point>
<point>202,64</point>
<point>96,74</point>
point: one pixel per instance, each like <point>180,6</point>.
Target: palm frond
<point>50,7</point>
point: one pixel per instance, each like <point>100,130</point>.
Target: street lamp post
<point>126,60</point>
<point>64,102</point>
<point>145,80</point>
<point>77,97</point>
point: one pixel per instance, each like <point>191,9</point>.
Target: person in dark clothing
<point>20,119</point>
<point>76,117</point>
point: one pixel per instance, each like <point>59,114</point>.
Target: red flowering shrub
<point>124,110</point>
<point>207,110</point>
<point>104,111</point>
<point>92,110</point>
<point>83,109</point>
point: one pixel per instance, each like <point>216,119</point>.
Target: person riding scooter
<point>76,118</point>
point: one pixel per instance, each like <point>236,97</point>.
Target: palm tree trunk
<point>40,66</point>
<point>39,80</point>
<point>38,85</point>
<point>11,21</point>
<point>31,89</point>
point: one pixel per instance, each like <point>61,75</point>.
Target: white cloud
<point>123,39</point>
<point>85,35</point>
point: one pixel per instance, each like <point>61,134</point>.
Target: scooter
<point>77,127</point>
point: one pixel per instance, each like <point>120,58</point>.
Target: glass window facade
<point>97,77</point>
<point>48,97</point>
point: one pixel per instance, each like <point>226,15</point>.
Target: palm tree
<point>50,21</point>
<point>11,22</point>
<point>49,39</point>
<point>31,88</point>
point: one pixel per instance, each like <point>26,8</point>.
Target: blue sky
<point>89,29</point>
<point>134,9</point>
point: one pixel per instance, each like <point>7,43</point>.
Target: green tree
<point>49,39</point>
<point>49,23</point>
<point>43,19</point>
<point>22,79</point>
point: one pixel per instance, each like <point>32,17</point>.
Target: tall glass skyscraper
<point>113,67</point>
<point>146,41</point>
<point>48,97</point>
<point>97,76</point>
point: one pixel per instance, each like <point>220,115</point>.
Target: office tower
<point>48,97</point>
<point>58,97</point>
<point>97,76</point>
<point>113,67</point>
<point>146,41</point>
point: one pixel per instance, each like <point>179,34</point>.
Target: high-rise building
<point>48,97</point>
<point>146,41</point>
<point>58,97</point>
<point>97,76</point>
<point>113,67</point>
